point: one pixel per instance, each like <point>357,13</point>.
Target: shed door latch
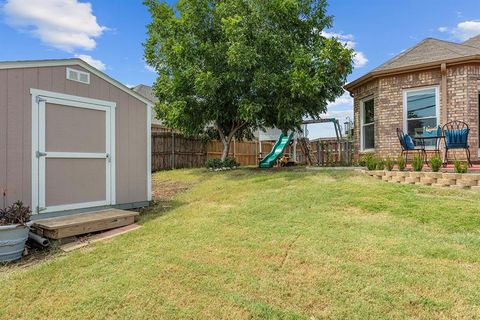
<point>41,154</point>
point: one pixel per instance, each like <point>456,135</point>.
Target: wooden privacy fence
<point>245,152</point>
<point>172,150</point>
<point>330,153</point>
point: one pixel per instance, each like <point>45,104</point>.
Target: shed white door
<point>74,153</point>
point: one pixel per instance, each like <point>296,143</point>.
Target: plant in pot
<point>14,227</point>
<point>460,167</point>
<point>435,163</point>
<point>401,163</point>
<point>417,163</point>
<point>389,164</point>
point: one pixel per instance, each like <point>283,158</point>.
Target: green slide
<point>277,151</point>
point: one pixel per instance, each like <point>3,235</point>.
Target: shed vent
<point>77,75</point>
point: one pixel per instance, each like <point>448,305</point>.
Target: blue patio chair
<point>406,142</point>
<point>456,137</point>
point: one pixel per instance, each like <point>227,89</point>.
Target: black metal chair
<point>456,137</point>
<point>409,147</point>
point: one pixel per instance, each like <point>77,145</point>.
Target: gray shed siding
<point>15,130</point>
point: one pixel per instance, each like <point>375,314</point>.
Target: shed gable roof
<point>73,62</point>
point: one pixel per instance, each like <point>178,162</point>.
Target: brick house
<point>425,86</point>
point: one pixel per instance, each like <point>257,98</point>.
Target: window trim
<point>437,106</point>
<point>362,124</point>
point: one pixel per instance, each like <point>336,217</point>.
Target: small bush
<point>380,164</point>
<point>371,163</point>
<point>230,163</point>
<point>401,163</point>
<point>417,163</point>
<point>214,164</point>
<point>389,164</point>
<point>17,213</point>
<point>365,159</point>
<point>435,163</point>
<point>460,167</point>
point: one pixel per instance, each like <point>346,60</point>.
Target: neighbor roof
<point>426,53</point>
<point>145,91</point>
<point>73,62</point>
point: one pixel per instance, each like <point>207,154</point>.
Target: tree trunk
<point>227,138</point>
<point>226,147</point>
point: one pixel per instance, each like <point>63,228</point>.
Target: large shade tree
<point>242,64</point>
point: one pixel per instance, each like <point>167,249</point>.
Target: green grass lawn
<point>270,245</point>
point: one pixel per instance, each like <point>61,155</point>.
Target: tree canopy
<point>243,64</point>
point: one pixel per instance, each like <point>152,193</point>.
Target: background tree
<point>243,64</point>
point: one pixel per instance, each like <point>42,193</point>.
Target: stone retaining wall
<point>437,179</point>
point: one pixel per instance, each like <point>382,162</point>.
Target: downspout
<point>443,69</point>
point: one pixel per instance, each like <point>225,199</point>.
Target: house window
<point>421,112</point>
<point>367,124</point>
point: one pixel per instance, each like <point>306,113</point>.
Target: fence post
<point>318,153</point>
<point>173,150</point>
<point>347,155</point>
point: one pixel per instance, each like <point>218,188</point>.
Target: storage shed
<point>72,138</point>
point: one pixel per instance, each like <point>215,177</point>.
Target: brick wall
<point>462,104</point>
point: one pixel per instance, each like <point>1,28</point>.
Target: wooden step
<point>77,224</point>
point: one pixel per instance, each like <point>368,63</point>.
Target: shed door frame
<point>39,100</point>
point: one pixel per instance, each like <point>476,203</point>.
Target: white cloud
<point>464,30</point>
<point>63,24</point>
<point>344,99</point>
<point>359,59</point>
<point>91,61</point>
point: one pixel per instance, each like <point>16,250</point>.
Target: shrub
<point>213,164</point>
<point>435,163</point>
<point>460,167</point>
<point>364,160</point>
<point>371,163</point>
<point>230,163</point>
<point>401,163</point>
<point>380,164</point>
<point>417,163</point>
<point>17,213</point>
<point>389,164</point>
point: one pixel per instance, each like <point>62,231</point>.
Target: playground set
<point>278,155</point>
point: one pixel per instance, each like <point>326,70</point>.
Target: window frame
<point>437,107</point>
<point>79,72</point>
<point>363,124</point>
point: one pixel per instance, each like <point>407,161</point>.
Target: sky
<point>109,33</point>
